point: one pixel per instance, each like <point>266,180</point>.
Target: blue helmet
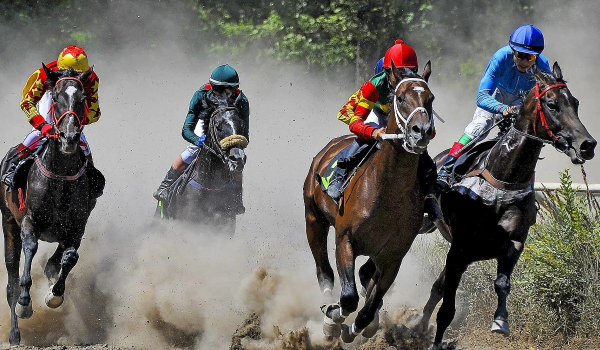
<point>527,39</point>
<point>379,66</point>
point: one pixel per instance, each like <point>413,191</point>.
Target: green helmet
<point>224,75</point>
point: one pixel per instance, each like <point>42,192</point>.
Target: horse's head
<point>226,134</point>
<point>555,116</point>
<point>68,106</point>
<point>412,108</point>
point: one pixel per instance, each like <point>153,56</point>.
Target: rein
<point>540,112</point>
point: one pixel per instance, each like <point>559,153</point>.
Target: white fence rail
<point>581,188</point>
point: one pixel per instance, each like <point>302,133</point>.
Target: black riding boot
<point>162,193</point>
<point>444,177</point>
<point>9,177</point>
<point>335,190</point>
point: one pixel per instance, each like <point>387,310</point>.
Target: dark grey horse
<point>206,192</point>
<point>490,212</point>
<point>55,202</point>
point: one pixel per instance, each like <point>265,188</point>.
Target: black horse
<point>490,211</point>
<point>205,192</point>
<point>53,204</point>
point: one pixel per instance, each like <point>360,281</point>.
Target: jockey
<point>509,76</point>
<point>366,114</point>
<point>37,101</point>
<point>224,82</point>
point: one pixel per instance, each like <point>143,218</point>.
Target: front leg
<point>349,296</point>
<point>55,296</point>
<point>24,308</point>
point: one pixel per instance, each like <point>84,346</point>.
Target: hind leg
<point>55,296</point>
<point>436,294</point>
<point>30,246</point>
<point>506,264</point>
<point>12,255</point>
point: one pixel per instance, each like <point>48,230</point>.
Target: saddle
<point>343,161</point>
<point>471,161</point>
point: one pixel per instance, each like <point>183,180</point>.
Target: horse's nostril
<point>588,146</point>
<point>416,129</point>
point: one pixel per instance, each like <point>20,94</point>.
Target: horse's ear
<point>427,71</point>
<point>52,76</point>
<point>396,72</point>
<point>557,71</point>
<point>85,75</point>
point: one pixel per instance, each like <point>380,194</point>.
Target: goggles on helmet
<point>524,56</point>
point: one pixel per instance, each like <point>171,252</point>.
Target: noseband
<point>398,116</point>
<point>59,119</point>
<point>540,112</point>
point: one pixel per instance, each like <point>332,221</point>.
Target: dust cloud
<point>157,285</point>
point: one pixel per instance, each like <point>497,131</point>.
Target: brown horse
<point>490,211</point>
<point>381,209</point>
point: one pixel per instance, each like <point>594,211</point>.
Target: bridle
<point>540,112</point>
<point>65,113</point>
<point>402,134</point>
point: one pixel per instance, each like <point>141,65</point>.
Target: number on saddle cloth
<point>344,160</point>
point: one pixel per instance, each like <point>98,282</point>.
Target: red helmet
<point>403,56</point>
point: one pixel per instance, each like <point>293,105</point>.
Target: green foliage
<point>561,259</point>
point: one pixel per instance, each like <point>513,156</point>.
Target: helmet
<point>73,57</point>
<point>403,56</point>
<point>527,39</point>
<point>224,75</point>
<point>379,66</point>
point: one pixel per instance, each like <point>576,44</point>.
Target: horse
<point>380,212</point>
<point>55,205</point>
<point>205,192</point>
<point>490,211</point>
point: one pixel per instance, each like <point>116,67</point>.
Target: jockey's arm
<point>91,104</point>
<point>32,93</point>
<point>357,109</point>
<point>488,84</point>
<point>192,118</point>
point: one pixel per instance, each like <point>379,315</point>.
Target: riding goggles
<point>524,56</point>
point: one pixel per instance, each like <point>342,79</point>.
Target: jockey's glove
<point>511,111</point>
<point>46,129</point>
<point>201,140</point>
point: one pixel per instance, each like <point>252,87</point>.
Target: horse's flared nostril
<point>587,148</point>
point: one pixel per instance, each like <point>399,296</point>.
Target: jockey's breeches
<point>483,120</point>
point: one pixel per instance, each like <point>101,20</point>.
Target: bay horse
<point>381,209</point>
<point>490,211</point>
<point>206,194</point>
<point>55,205</point>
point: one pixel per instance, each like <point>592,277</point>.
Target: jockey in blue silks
<point>507,79</point>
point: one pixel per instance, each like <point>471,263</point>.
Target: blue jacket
<point>502,73</point>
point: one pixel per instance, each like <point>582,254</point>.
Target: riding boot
<point>162,193</point>
<point>335,189</point>
<point>9,177</point>
<point>445,177</point>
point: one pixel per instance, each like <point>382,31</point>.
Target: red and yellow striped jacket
<point>36,87</point>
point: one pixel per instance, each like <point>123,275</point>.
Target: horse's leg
<point>53,265</point>
<point>23,308</point>
<point>317,228</point>
<point>506,264</point>
<point>370,311</point>
<point>437,292</point>
<point>366,273</point>
<point>12,255</point>
<point>455,267</point>
<point>55,296</point>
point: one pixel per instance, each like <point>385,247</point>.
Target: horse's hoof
<point>24,311</point>
<point>53,301</point>
<point>333,312</point>
<point>331,329</point>
<point>500,326</point>
<point>372,328</point>
<point>348,335</point>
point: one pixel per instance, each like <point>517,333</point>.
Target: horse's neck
<point>514,157</point>
<point>61,164</point>
<point>394,166</point>
<point>210,171</point>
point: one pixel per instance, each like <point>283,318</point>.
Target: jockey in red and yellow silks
<point>366,114</point>
<point>36,102</point>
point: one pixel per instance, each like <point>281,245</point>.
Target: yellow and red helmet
<point>73,57</point>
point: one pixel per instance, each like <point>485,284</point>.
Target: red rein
<point>540,112</point>
<point>57,121</point>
